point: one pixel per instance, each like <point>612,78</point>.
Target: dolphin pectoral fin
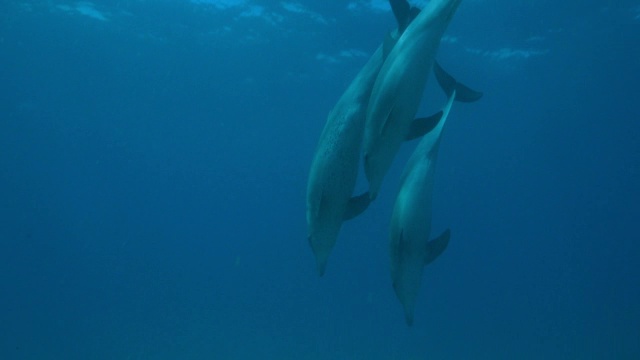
<point>436,246</point>
<point>448,84</point>
<point>421,126</point>
<point>357,205</point>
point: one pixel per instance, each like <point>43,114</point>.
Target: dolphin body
<point>397,91</point>
<point>410,248</point>
<point>334,168</point>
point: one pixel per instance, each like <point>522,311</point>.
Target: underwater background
<point>153,166</point>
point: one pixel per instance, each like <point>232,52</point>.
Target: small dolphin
<point>397,91</point>
<point>410,247</point>
<point>334,168</point>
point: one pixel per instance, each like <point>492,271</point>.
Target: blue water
<point>153,167</point>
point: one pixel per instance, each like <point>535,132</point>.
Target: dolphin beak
<point>409,319</point>
<point>321,266</point>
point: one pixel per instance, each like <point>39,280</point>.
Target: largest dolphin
<point>410,248</point>
<point>397,91</point>
<point>334,168</point>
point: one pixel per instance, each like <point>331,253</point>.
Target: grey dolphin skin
<point>397,91</point>
<point>334,168</point>
<point>410,248</point>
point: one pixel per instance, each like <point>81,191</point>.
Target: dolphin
<point>334,168</point>
<point>410,248</point>
<point>396,94</point>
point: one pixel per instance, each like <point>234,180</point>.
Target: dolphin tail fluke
<point>403,12</point>
<point>448,83</point>
<point>357,205</point>
<point>421,126</point>
<point>436,246</point>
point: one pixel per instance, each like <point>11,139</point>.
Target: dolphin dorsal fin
<point>448,83</point>
<point>436,246</point>
<point>421,126</point>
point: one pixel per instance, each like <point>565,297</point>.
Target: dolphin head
<point>407,277</point>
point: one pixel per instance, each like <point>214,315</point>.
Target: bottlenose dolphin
<point>334,168</point>
<point>410,248</point>
<point>397,91</point>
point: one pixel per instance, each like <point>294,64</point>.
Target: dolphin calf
<point>410,248</point>
<point>334,168</point>
<point>397,91</point>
